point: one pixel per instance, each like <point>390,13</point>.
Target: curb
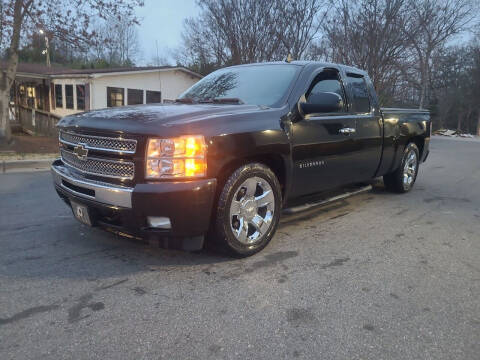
<point>12,166</point>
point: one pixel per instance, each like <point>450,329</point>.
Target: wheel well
<point>420,142</point>
<point>273,161</point>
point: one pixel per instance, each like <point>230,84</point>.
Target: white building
<point>41,95</point>
<point>61,91</point>
<point>80,90</point>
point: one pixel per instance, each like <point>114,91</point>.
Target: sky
<point>162,21</point>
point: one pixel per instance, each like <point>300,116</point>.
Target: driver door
<point>323,144</point>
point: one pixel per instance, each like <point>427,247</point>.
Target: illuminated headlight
<point>182,157</point>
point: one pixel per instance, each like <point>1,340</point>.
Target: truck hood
<point>154,119</point>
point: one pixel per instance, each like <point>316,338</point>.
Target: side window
<point>327,81</point>
<point>58,96</point>
<point>361,101</point>
<point>114,96</point>
<point>69,96</point>
<point>80,97</point>
<point>153,97</point>
<point>134,96</point>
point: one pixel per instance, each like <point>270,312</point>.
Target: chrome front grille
<point>109,144</point>
<point>124,170</point>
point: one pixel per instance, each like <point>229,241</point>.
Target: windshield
<point>254,85</point>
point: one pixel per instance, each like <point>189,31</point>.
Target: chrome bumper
<point>104,193</point>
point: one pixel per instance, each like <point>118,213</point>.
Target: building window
<point>58,96</point>
<point>114,97</point>
<point>69,96</point>
<point>134,96</point>
<point>80,97</point>
<point>154,97</point>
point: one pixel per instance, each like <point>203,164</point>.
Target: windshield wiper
<point>222,101</point>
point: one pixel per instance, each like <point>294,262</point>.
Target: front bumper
<point>188,204</point>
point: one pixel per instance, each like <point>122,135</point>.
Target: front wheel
<point>248,210</point>
<point>402,179</point>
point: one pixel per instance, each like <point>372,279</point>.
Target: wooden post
<point>16,101</point>
<point>87,96</point>
<point>52,96</point>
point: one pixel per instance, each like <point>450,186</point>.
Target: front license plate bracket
<point>81,213</point>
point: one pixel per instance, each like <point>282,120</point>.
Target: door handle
<point>347,131</point>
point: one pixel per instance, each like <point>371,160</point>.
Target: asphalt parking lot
<point>376,276</point>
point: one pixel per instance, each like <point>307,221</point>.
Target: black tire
<point>395,180</point>
<point>223,227</point>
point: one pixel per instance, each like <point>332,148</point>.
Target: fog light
<point>159,222</point>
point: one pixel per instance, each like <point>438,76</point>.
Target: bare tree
<point>63,19</point>
<point>301,22</point>
<point>203,46</point>
<point>247,28</point>
<point>431,24</point>
<point>475,75</point>
<point>158,60</point>
<point>369,35</point>
<point>245,31</point>
<point>122,47</point>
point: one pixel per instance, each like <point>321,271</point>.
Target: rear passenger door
<point>368,126</point>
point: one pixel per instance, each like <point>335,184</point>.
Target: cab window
<point>360,99</point>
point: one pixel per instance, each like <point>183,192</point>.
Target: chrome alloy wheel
<point>251,210</point>
<point>410,169</point>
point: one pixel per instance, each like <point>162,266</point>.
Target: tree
<point>369,34</point>
<point>476,81</point>
<point>300,22</point>
<point>62,19</point>
<point>123,48</point>
<point>229,32</point>
<point>158,60</point>
<point>431,24</point>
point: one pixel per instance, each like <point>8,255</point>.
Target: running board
<point>307,206</point>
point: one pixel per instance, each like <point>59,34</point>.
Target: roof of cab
<point>303,63</point>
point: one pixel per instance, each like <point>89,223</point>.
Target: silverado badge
<point>81,151</point>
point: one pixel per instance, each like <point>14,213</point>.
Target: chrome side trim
<point>104,193</point>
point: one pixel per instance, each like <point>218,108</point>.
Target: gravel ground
<point>377,276</point>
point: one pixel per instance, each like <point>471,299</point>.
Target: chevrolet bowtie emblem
<point>81,151</point>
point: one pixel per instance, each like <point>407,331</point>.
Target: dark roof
<point>41,69</point>
<point>304,63</point>
<point>33,68</point>
<point>111,70</point>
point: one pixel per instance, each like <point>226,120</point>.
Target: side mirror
<point>324,102</point>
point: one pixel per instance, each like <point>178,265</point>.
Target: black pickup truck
<point>233,151</point>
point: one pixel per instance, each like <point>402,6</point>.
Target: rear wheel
<point>248,210</point>
<point>403,179</point>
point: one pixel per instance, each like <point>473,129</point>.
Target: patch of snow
<point>454,134</point>
<point>457,138</point>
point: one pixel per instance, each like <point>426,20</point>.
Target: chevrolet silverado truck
<point>233,151</point>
